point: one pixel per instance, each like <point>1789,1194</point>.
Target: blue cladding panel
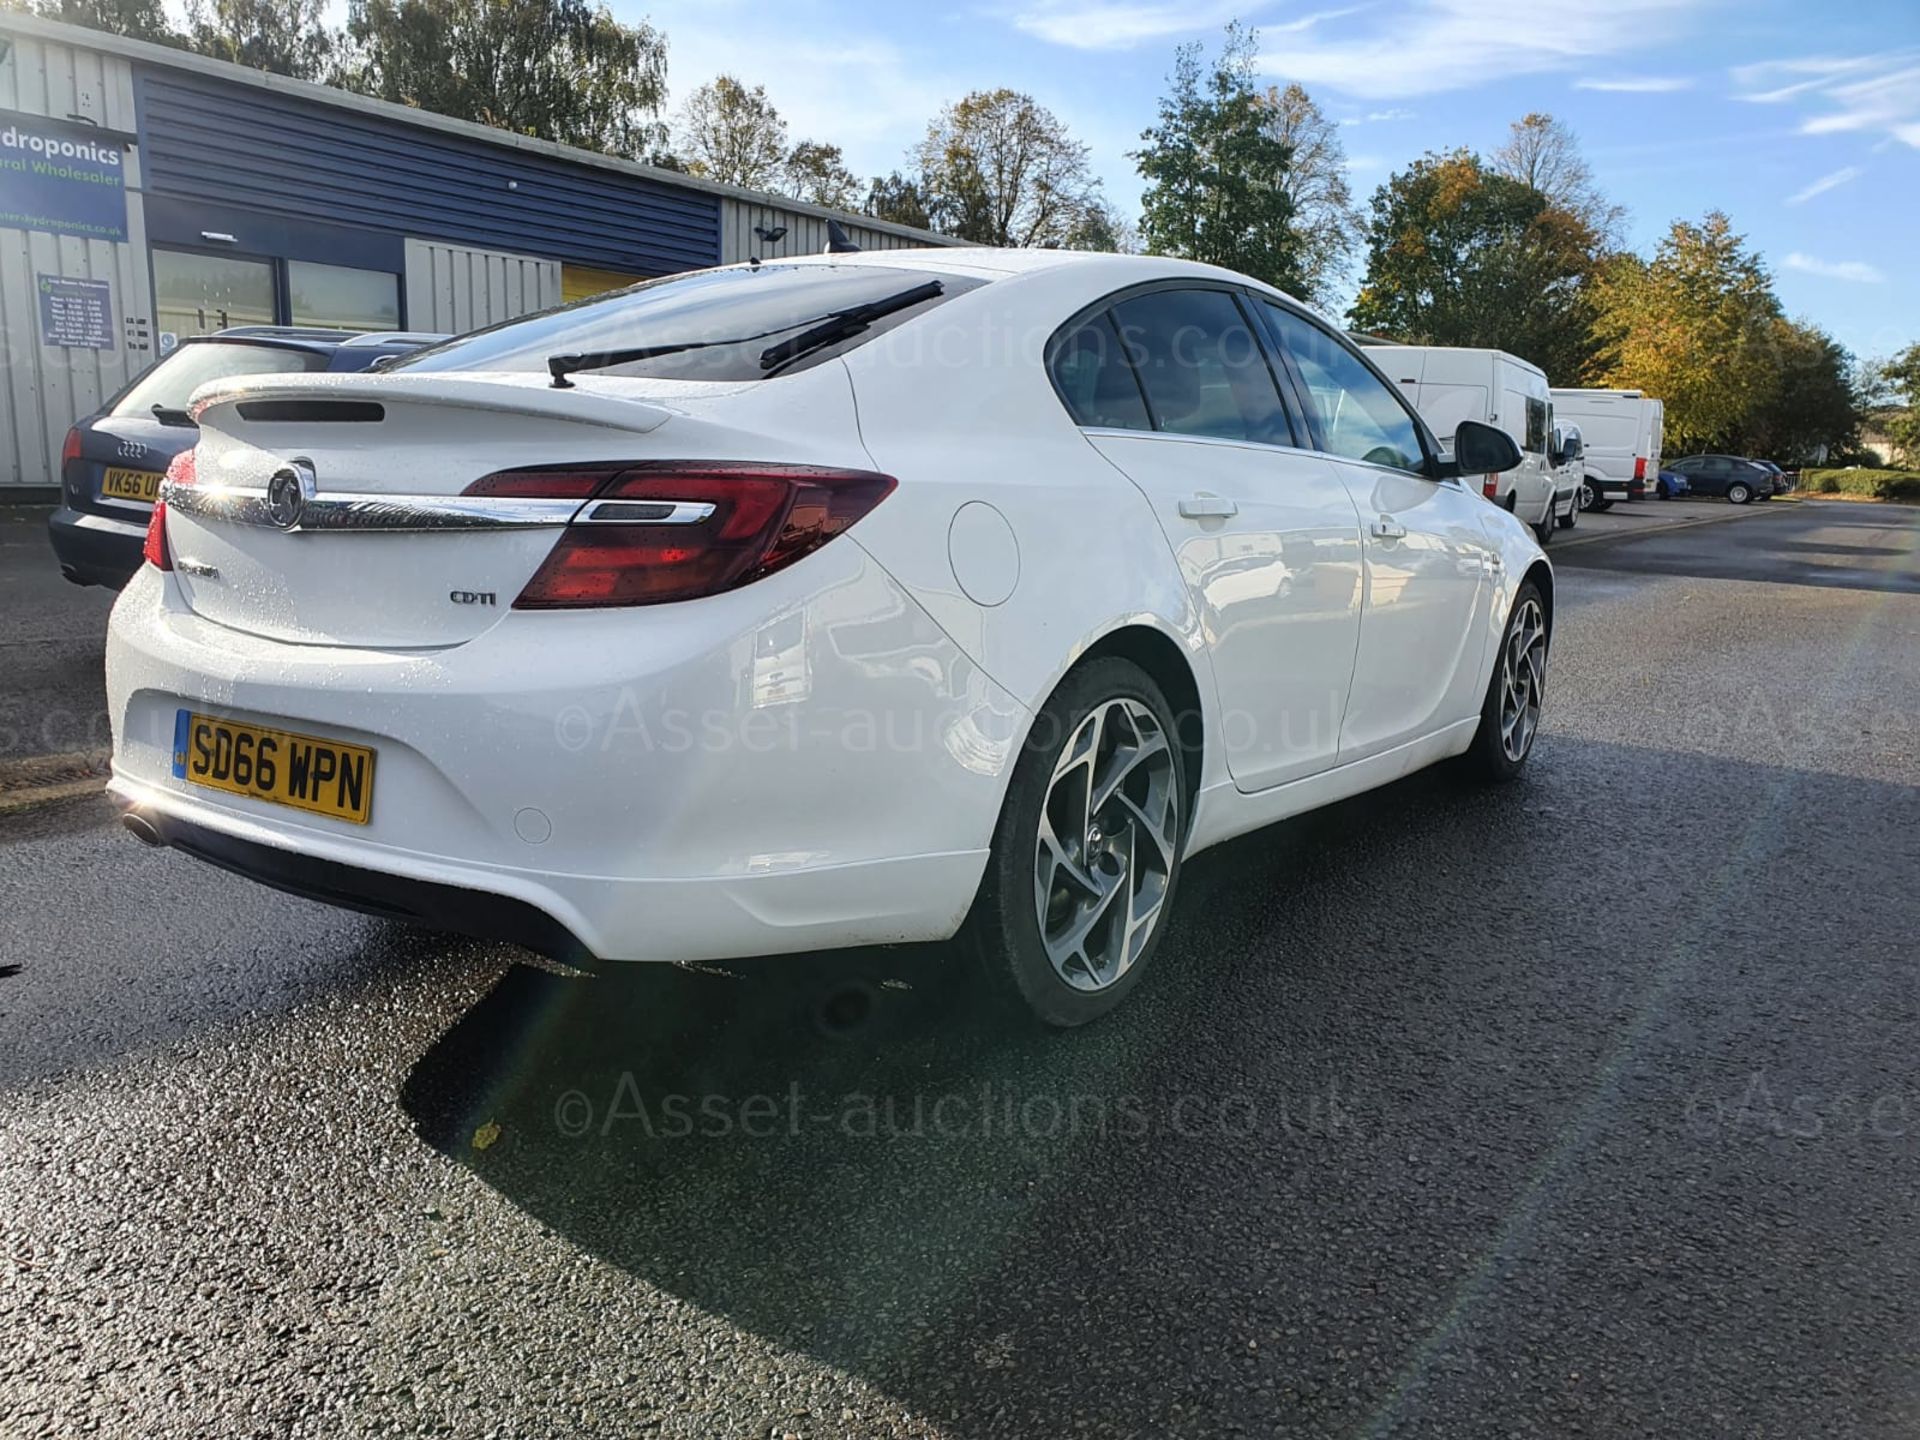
<point>237,145</point>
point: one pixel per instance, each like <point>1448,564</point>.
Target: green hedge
<point>1878,484</point>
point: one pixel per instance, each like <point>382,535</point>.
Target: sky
<point>1801,121</point>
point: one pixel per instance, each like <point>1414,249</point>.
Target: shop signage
<point>75,313</point>
<point>65,178</point>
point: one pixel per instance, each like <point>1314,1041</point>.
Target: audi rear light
<point>179,472</point>
<point>656,531</point>
<point>70,448</point>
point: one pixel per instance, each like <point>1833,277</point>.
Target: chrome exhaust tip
<point>141,828</point>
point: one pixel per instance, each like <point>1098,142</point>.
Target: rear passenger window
<point>1202,368</point>
<point>1094,380</point>
<point>1360,417</point>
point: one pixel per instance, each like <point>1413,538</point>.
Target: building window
<point>199,294</point>
<point>341,298</point>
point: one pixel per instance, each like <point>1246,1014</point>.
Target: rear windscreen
<point>169,383</point>
<point>731,316</point>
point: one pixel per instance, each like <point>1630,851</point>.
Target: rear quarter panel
<point>960,409</point>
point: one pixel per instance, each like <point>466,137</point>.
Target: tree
<point>1814,409</point>
<point>900,199</point>
<point>1900,378</point>
<point>817,173</point>
<point>1325,218</point>
<point>998,168</point>
<point>1457,255</point>
<point>1215,167</point>
<point>1541,153</point>
<point>564,70</point>
<point>1697,326</point>
<point>733,135</point>
<point>286,37</point>
<point>136,19</point>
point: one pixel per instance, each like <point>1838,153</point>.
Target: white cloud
<point>1375,117</point>
<point>1857,271</point>
<point>1647,85</point>
<point>1426,47</point>
<point>1830,181</point>
<point>1849,93</point>
<point>1106,25</point>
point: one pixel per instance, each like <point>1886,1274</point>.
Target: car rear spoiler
<point>361,397</point>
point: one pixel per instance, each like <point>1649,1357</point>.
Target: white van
<point>1621,429</point>
<point>1447,385</point>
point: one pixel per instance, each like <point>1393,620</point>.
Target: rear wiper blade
<point>843,324</point>
<point>825,329</point>
<point>174,415</point>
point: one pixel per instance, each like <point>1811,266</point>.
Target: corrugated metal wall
<point>806,234</point>
<point>456,288</point>
<point>46,387</point>
<point>242,145</point>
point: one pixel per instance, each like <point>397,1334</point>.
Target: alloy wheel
<point>1106,846</point>
<point>1523,680</point>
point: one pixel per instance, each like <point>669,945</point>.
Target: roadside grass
<point>1901,486</point>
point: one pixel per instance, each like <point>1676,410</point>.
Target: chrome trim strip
<point>364,514</point>
<point>648,512</point>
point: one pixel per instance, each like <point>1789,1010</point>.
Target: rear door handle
<point>1385,529</point>
<point>1208,507</point>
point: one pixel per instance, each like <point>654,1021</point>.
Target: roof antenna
<point>838,241</point>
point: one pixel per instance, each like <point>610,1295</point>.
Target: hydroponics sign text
<point>61,178</point>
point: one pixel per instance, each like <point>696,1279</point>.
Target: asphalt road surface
<point>51,697</point>
<point>1588,1106</point>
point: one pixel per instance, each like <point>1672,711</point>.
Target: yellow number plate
<point>278,766</point>
<point>121,484</point>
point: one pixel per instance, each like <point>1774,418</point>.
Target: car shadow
<point>1269,1184</point>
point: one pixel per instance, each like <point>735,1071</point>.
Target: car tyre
<point>1078,890</point>
<point>1510,714</point>
<point>1572,517</point>
<point>1738,493</point>
<point>1591,498</point>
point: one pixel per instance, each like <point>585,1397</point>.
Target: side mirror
<point>1482,450</point>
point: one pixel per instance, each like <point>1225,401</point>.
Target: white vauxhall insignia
<point>844,600</point>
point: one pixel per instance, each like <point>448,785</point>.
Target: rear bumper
<point>806,763</point>
<point>96,549</point>
<point>452,908</point>
<point>1629,489</point>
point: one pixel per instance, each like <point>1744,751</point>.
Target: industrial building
<point>147,194</point>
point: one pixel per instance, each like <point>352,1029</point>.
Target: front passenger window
<point>1360,417</point>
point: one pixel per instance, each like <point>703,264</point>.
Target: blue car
<point>1671,485</point>
<point>113,459</point>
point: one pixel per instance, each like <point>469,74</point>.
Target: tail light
<point>1640,467</point>
<point>155,550</point>
<point>70,448</point>
<point>179,472</point>
<point>1491,487</point>
<point>664,530</point>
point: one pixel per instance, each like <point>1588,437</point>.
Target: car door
<point>1171,385</point>
<point>1428,560</point>
<point>1712,475</point>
